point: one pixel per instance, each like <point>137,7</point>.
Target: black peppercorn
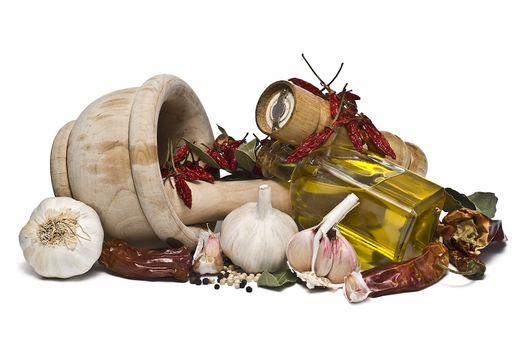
<point>205,281</point>
<point>216,286</point>
<point>198,282</point>
<point>248,289</point>
<point>243,283</point>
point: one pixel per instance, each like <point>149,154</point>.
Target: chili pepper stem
<point>466,273</point>
<point>340,107</point>
<point>317,76</point>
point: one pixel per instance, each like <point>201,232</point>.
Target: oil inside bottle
<point>397,212</point>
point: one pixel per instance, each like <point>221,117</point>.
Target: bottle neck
<point>272,160</point>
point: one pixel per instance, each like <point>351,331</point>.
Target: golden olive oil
<point>397,213</point>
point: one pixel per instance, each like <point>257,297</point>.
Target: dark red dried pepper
<point>376,138</point>
<point>218,158</point>
<point>355,135</point>
<point>194,173</point>
<point>183,190</point>
<point>123,260</point>
<point>181,154</point>
<point>411,275</point>
<point>311,143</point>
<point>307,86</point>
<point>334,104</point>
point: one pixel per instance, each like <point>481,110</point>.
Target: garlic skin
<point>345,259</point>
<point>321,256</point>
<point>63,238</point>
<point>255,235</point>
<point>299,250</point>
<point>355,288</point>
<point>208,258</point>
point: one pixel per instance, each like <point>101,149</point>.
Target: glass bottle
<point>398,210</point>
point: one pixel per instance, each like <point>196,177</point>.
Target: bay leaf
<point>485,202</point>
<point>222,130</point>
<point>277,279</point>
<point>455,200</point>
<point>246,155</point>
<point>200,153</point>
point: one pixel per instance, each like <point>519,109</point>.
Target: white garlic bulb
<point>63,238</point>
<point>320,255</point>
<point>255,235</point>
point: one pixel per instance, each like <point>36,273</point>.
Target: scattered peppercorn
<point>198,282</point>
<point>194,279</point>
<point>243,283</point>
<point>216,286</point>
<point>205,281</point>
<point>248,289</point>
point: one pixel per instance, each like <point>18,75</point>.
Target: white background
<point>444,75</point>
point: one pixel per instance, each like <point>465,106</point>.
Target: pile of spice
<point>230,275</point>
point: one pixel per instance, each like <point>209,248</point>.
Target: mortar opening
<point>172,127</point>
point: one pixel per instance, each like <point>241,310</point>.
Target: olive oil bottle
<point>398,209</point>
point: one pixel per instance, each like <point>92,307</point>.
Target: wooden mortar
<point>306,113</point>
<point>109,159</point>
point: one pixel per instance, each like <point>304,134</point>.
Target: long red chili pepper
<point>180,154</point>
<point>147,264</point>
<point>377,138</point>
<point>222,162</point>
<point>311,143</point>
<point>355,135</point>
<point>183,190</point>
<point>194,173</point>
<point>334,104</point>
<point>412,275</point>
<point>307,86</point>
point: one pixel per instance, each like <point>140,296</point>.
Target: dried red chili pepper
<point>125,261</point>
<point>355,135</point>
<point>376,138</point>
<point>466,233</point>
<point>408,276</point>
<point>194,173</point>
<point>183,190</point>
<point>470,266</point>
<point>307,86</point>
<point>181,154</point>
<point>218,158</point>
<point>334,104</point>
<point>311,143</point>
<point>349,96</point>
<point>166,173</point>
<point>411,275</point>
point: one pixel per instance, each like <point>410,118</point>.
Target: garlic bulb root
<point>63,238</point>
<point>321,256</point>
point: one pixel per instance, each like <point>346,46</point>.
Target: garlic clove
<point>212,246</point>
<point>299,250</point>
<point>345,259</point>
<point>324,258</point>
<point>208,255</point>
<point>355,288</point>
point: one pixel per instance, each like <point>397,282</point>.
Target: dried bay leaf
<point>455,200</point>
<point>200,153</point>
<point>485,202</point>
<point>277,279</point>
<point>246,156</point>
<point>222,130</point>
